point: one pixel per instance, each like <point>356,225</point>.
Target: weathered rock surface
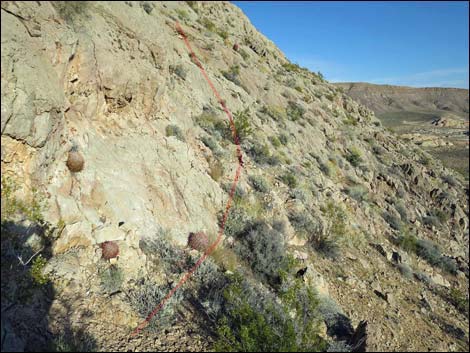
<point>99,78</point>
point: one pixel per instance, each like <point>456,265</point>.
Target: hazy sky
<point>418,44</point>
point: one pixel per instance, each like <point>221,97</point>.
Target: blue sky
<point>421,44</point>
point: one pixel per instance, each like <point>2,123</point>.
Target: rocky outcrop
<point>114,81</point>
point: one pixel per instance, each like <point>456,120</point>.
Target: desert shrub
<point>210,122</point>
<point>408,242</point>
<point>303,223</point>
<point>212,144</point>
<point>174,130</point>
<point>459,299</point>
<point>289,179</point>
<point>325,168</point>
<point>233,74</point>
<point>216,169</point>
<point>405,270</point>
<point>450,179</point>
<point>147,296</point>
<point>255,322</point>
<point>275,112</point>
<point>182,14</point>
<point>244,54</point>
<point>339,346</point>
<point>422,277</point>
<point>70,11</point>
<point>237,221</point>
<point>357,192</point>
<point>208,24</point>
<point>37,271</point>
<point>12,206</point>
<point>325,241</point>
<point>284,139</point>
<point>241,120</point>
<point>178,70</point>
<point>275,141</point>
<point>263,248</point>
<point>349,120</point>
<point>354,157</point>
<point>431,221</point>
<point>259,183</point>
<point>429,251</point>
<point>298,194</point>
<point>294,111</point>
<point>111,279</point>
<point>401,209</point>
<point>261,154</point>
<point>222,33</point>
<point>168,256</point>
<point>378,150</point>
<point>392,220</point>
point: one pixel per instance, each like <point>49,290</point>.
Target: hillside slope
<point>380,225</point>
<point>434,118</point>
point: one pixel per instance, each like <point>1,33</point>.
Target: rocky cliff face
<point>381,226</point>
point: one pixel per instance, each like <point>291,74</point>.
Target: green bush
<point>254,322</point>
<point>289,179</point>
<point>459,299</point>
<point>173,130</point>
<point>241,120</point>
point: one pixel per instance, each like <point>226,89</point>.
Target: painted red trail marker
<point>232,190</point>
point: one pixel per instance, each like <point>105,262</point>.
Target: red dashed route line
<point>232,190</point>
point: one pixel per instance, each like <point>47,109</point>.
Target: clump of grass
<point>182,14</point>
<point>284,139</point>
<point>12,206</point>
<point>174,130</point>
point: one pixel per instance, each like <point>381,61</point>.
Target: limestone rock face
<point>115,82</point>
